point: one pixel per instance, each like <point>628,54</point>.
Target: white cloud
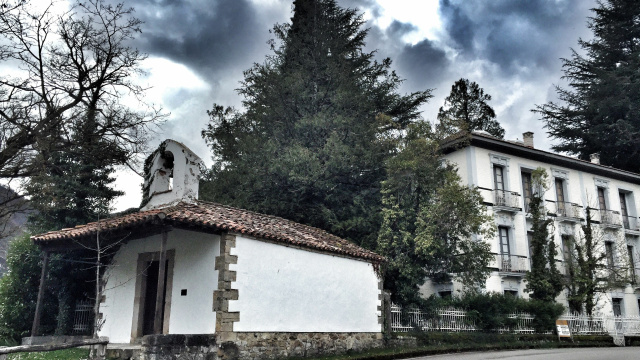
<point>421,14</point>
<point>167,78</point>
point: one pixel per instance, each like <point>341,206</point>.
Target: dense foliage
<point>544,280</point>
<point>309,145</point>
<point>326,140</point>
<point>19,290</point>
<point>430,221</point>
<point>599,111</point>
<point>467,109</point>
<point>493,311</point>
<point>72,185</point>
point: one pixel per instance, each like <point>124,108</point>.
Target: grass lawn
<point>66,354</point>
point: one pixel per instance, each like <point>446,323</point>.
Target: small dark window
<point>513,293</point>
<point>183,292</point>
<point>601,199</point>
<point>445,294</point>
<point>608,247</point>
<point>617,306</point>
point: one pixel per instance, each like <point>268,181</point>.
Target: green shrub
<point>491,311</point>
<point>66,283</point>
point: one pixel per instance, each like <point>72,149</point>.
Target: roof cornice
<point>516,149</point>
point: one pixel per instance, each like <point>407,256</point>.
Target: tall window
<point>566,248</point>
<point>567,256</point>
<point>560,197</point>
<point>632,264</point>
<point>498,181</point>
<point>601,199</point>
<point>498,177</point>
<point>623,210</point>
<point>608,246</point>
<point>530,241</point>
<point>504,241</point>
<point>527,190</point>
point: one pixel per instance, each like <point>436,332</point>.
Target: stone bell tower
<point>172,174</point>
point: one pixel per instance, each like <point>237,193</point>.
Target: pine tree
<point>467,109</point>
<point>310,145</point>
<point>544,281</point>
<point>599,111</point>
<point>74,183</point>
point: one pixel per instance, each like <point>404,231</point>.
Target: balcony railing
<point>568,210</point>
<point>630,223</point>
<point>506,198</point>
<point>610,218</point>
<point>511,263</point>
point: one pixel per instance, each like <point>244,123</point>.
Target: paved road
<point>618,353</point>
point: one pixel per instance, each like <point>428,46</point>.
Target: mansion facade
<point>502,169</point>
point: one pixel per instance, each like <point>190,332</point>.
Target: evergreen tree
<point>467,109</point>
<point>309,145</point>
<point>599,111</point>
<point>544,281</point>
<point>74,183</point>
<point>430,221</point>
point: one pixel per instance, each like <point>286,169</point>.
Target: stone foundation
<point>263,345</point>
<point>177,347</point>
<point>246,346</point>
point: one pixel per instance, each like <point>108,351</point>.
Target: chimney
<point>595,158</point>
<point>528,139</point>
<point>172,174</point>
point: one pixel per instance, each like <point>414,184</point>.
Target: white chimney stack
<point>527,138</point>
<point>595,158</point>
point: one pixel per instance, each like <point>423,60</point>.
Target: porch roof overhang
<point>204,217</point>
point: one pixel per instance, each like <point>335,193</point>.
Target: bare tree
<point>597,263</point>
<point>65,71</point>
<point>69,66</point>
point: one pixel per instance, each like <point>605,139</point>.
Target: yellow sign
<point>563,328</point>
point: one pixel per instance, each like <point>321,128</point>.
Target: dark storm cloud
<point>423,64</point>
<point>513,33</point>
<point>209,37</point>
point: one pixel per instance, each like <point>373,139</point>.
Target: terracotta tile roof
<point>206,215</point>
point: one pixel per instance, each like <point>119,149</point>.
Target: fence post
<point>386,299</point>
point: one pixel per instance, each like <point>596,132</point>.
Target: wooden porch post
<point>162,270</point>
<point>43,279</point>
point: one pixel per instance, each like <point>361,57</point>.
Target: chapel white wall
<point>285,289</point>
<point>194,270</point>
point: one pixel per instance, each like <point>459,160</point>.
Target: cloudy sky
<point>198,50</point>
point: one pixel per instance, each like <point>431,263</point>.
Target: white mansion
<point>501,170</point>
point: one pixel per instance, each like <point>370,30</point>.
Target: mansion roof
<point>515,148</point>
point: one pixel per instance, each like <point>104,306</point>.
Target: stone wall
<point>245,346</point>
<point>263,345</point>
<point>178,347</point>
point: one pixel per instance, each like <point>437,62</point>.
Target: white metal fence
<point>452,319</point>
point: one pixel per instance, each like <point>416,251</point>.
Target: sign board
<point>562,326</point>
